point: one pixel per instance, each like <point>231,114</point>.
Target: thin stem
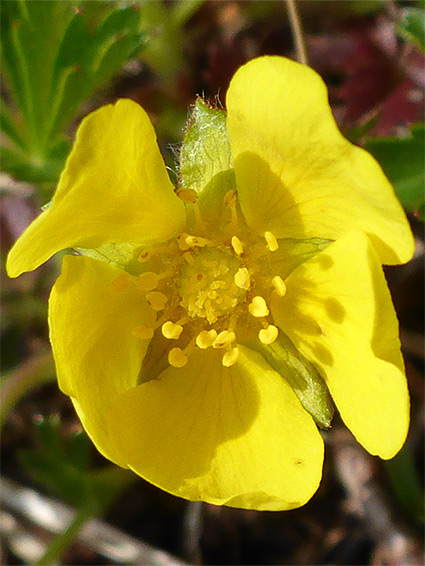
<point>297,32</point>
<point>61,542</point>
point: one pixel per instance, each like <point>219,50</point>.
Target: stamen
<point>230,357</point>
<point>189,196</point>
<point>237,245</point>
<point>230,201</point>
<point>143,332</point>
<point>242,278</point>
<point>279,285</point>
<point>177,358</point>
<point>225,338</point>
<point>197,242</point>
<point>120,283</point>
<point>268,335</point>
<point>172,330</point>
<point>271,240</point>
<point>181,242</point>
<point>148,281</point>
<point>206,339</point>
<point>156,300</point>
<point>258,307</point>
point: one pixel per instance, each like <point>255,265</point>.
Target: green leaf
<point>301,375</point>
<point>412,26</point>
<point>403,161</point>
<point>118,23</point>
<point>117,53</point>
<point>206,162</point>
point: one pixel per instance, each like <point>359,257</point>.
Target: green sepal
<point>206,162</point>
<point>301,375</point>
<point>122,255</point>
<point>292,253</point>
<point>412,26</point>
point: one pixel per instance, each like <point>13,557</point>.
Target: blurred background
<point>62,503</point>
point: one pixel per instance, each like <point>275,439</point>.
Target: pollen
<point>157,300</point>
<point>225,338</point>
<point>271,240</point>
<point>230,357</point>
<point>258,307</point>
<point>268,335</point>
<point>242,278</point>
<point>177,358</point>
<point>237,245</point>
<point>148,281</point>
<point>206,338</point>
<point>171,330</point>
<point>143,332</point>
<point>279,285</point>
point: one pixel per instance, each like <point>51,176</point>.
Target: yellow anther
<point>188,196</point>
<point>120,283</point>
<point>258,307</point>
<point>224,338</point>
<point>242,278</point>
<point>148,281</point>
<point>271,240</point>
<point>156,300</point>
<point>171,330</point>
<point>143,332</point>
<point>181,242</point>
<point>197,242</point>
<point>230,357</point>
<point>268,335</point>
<point>206,338</point>
<point>177,358</point>
<point>146,255</point>
<point>237,245</point>
<point>279,285</point>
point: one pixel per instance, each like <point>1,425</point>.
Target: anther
<point>156,300</point>
<point>258,307</point>
<point>177,358</point>
<point>271,240</point>
<point>120,283</point>
<point>268,335</point>
<point>279,285</point>
<point>230,357</point>
<point>225,338</point>
<point>242,278</point>
<point>197,242</point>
<point>148,281</point>
<point>181,242</point>
<point>171,330</point>
<point>206,338</point>
<point>143,332</point>
<point>188,196</point>
<point>237,245</point>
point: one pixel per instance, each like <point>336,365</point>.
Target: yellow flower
<point>200,354</point>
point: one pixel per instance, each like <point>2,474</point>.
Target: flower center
<point>207,284</point>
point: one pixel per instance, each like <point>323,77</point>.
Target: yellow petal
<point>226,435</point>
<point>338,312</point>
<point>296,175</point>
<point>96,353</point>
<point>114,188</point>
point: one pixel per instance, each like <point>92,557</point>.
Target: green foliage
<point>62,464</point>
<point>54,61</point>
<point>403,161</point>
<point>412,26</point>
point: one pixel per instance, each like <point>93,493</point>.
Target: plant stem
<point>297,32</point>
<point>60,543</point>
